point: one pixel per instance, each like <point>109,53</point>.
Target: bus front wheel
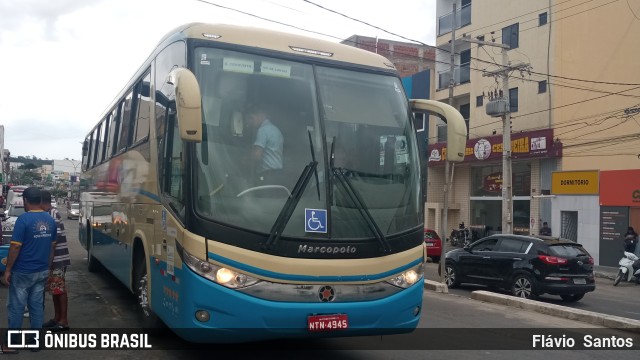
<point>150,321</point>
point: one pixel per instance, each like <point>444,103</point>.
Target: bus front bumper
<point>236,317</point>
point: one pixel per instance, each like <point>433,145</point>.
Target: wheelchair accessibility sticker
<point>315,220</point>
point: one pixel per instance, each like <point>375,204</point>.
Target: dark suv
<point>528,266</point>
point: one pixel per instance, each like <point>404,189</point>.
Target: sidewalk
<point>607,272</point>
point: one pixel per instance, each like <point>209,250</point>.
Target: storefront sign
<point>530,144</point>
<point>620,188</point>
<point>614,221</point>
<point>493,183</point>
<point>575,182</point>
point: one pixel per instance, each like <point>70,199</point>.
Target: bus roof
<point>288,43</point>
<point>284,42</point>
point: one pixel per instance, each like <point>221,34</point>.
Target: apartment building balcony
<point>463,18</point>
<point>461,75</point>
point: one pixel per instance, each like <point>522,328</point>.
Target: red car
<point>434,245</point>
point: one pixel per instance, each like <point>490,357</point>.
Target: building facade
<point>572,93</point>
<point>408,58</point>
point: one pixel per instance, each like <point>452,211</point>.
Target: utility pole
<point>445,203</point>
<point>500,107</point>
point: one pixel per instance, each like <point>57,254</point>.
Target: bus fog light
<point>202,315</point>
<point>416,311</point>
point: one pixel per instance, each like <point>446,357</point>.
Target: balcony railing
<point>463,18</point>
<point>461,75</point>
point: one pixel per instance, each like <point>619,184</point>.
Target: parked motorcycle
<point>629,269</point>
<point>462,236</point>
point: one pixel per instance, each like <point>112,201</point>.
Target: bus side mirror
<point>188,104</point>
<point>456,126</point>
<point>85,148</point>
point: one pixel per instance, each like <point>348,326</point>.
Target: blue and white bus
<point>333,246</point>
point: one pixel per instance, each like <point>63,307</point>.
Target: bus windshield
<point>354,124</point>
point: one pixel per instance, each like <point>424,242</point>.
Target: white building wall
<point>588,208</point>
<point>70,167</point>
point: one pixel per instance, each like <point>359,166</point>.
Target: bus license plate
<point>579,281</point>
<point>327,322</point>
<point>431,244</point>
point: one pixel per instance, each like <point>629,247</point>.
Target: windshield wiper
<point>290,205</point>
<point>313,159</point>
<point>357,200</point>
<point>294,198</point>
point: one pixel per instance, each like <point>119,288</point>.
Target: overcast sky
<point>63,61</point>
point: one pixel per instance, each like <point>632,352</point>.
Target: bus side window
<point>86,153</point>
<point>114,127</point>
<point>96,146</point>
<point>173,173</point>
<point>143,104</point>
<point>125,122</point>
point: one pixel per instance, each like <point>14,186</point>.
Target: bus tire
<point>93,265</point>
<point>149,320</point>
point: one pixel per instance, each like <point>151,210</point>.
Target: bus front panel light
<point>224,275</point>
<point>408,277</point>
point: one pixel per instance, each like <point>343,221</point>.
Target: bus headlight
<point>223,276</point>
<point>408,277</point>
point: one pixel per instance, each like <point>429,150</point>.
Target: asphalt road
<point>451,326</point>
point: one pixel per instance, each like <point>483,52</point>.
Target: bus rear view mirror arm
<point>188,104</point>
<point>456,126</point>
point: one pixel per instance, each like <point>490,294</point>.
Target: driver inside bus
<point>266,153</point>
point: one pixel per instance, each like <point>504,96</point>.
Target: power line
<point>633,12</point>
<point>323,34</point>
<point>366,23</point>
<point>578,102</point>
<point>578,13</point>
<point>449,51</point>
<point>494,63</point>
<point>519,16</point>
<point>266,19</point>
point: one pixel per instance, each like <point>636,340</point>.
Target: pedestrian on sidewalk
<point>545,229</point>
<point>28,262</point>
<point>56,284</point>
<point>630,240</point>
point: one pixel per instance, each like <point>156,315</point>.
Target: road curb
<point>604,275</point>
<point>585,316</point>
<point>436,286</point>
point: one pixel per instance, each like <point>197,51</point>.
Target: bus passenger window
<point>144,109</point>
<point>173,170</point>
<point>125,123</point>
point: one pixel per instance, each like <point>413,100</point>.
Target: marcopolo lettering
<point>574,182</point>
<point>326,249</point>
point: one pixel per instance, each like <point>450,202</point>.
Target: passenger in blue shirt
<point>267,147</point>
<point>28,263</point>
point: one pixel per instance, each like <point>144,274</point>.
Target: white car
<point>73,212</point>
<point>11,215</point>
